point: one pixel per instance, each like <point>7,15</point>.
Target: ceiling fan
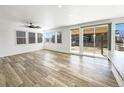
<point>32,26</point>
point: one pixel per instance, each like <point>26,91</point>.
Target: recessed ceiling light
<point>60,6</point>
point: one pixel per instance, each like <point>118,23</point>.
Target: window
<point>31,37</point>
<point>53,37</point>
<point>59,37</point>
<point>21,37</point>
<point>50,37</point>
<point>119,37</point>
<point>39,37</point>
<point>47,36</point>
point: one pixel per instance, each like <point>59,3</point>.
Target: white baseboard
<point>118,77</point>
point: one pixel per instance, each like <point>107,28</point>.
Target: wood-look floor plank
<point>12,78</point>
<point>52,69</point>
<point>20,70</point>
<point>2,80</point>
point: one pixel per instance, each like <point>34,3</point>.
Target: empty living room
<point>61,46</point>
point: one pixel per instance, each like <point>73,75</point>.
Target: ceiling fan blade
<point>38,27</point>
<point>31,25</point>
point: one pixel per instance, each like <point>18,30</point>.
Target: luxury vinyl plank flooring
<point>52,69</point>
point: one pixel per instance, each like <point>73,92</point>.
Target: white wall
<point>60,47</point>
<point>66,44</point>
<point>8,44</point>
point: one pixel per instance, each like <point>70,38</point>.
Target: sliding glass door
<point>75,48</point>
<point>101,40</point>
<point>95,40</point>
<point>88,41</point>
<point>92,41</point>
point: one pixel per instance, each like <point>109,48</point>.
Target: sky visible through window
<point>120,26</point>
<point>120,29</point>
<point>49,34</point>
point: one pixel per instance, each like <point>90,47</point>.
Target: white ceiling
<point>51,16</point>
